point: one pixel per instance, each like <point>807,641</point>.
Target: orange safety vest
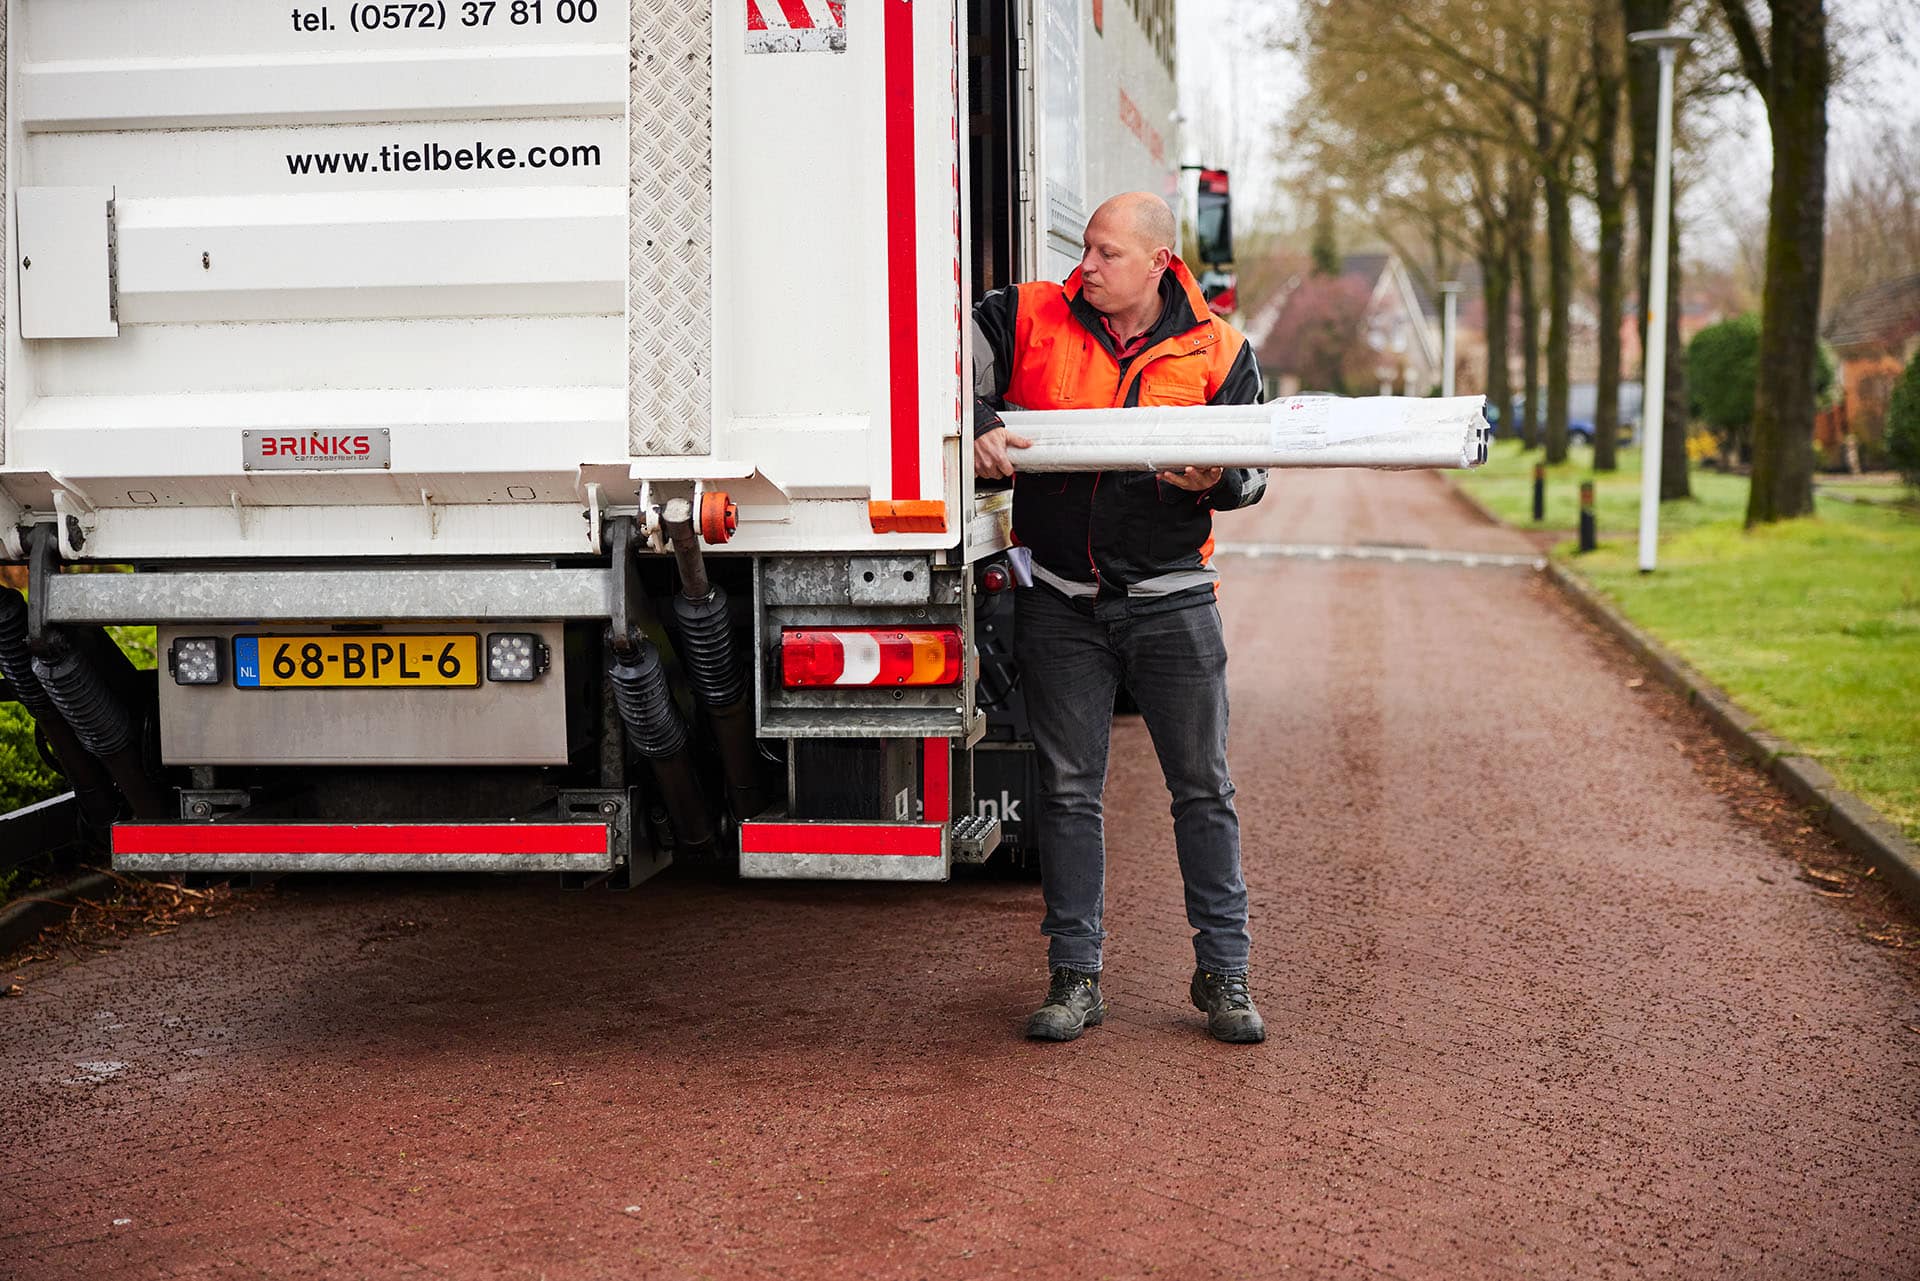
<point>1127,532</point>
<point>1059,364</point>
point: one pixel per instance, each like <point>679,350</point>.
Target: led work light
<point>516,656</point>
<point>195,660</point>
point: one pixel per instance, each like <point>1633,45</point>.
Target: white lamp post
<point>1449,318</point>
<point>1667,43</point>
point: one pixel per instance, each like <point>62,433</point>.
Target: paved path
<point>1547,998</point>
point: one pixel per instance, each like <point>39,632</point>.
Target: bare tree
<point>1873,213</point>
<point>1503,78</point>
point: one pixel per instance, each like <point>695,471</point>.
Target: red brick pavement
<point>1543,1005</point>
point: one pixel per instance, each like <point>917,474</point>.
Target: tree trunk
<point>1522,242</point>
<point>1496,275</point>
<point>1643,115</point>
<point>1559,310</point>
<point>1529,353</point>
<point>1790,305</point>
<point>1611,208</point>
<point>1559,257</point>
<point>1674,462</point>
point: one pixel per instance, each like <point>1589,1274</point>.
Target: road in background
<point>1546,999</point>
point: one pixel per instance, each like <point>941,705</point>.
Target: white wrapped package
<point>1397,432</point>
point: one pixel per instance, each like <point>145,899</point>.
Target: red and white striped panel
<point>361,847</point>
<point>796,26</point>
<point>828,850</point>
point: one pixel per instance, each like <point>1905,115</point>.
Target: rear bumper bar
<point>362,847</point>
<point>779,848</point>
<point>390,594</point>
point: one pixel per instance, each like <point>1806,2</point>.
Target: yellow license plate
<point>369,661</point>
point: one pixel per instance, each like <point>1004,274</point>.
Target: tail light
<point>870,656</point>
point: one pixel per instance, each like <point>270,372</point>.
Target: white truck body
<point>383,315</point>
<point>519,333</point>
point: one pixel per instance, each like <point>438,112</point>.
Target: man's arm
<point>993,322</point>
<point>1239,486</point>
<point>993,340</point>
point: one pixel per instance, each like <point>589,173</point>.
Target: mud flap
<point>775,847</point>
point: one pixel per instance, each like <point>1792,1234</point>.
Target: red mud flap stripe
<point>372,847</point>
<point>385,838</point>
<point>917,840</point>
<point>786,849</point>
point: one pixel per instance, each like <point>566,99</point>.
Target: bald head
<point>1142,215</point>
<point>1129,243</point>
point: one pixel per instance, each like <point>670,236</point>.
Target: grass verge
<point>1811,625</point>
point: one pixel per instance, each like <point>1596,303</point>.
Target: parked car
<point>1582,401</point>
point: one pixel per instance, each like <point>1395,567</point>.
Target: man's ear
<point>1162,258</point>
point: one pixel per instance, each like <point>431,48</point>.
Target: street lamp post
<point>1667,43</point>
<point>1449,326</point>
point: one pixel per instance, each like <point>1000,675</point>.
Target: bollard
<point>1539,492</point>
<point>1589,531</point>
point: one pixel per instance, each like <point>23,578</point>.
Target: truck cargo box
<point>434,279</point>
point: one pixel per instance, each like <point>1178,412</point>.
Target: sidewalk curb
<point>20,921</point>
<point>1853,822</point>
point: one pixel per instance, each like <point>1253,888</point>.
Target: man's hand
<point>990,458</point>
<point>1195,480</point>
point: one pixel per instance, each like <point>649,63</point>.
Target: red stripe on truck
<point>344,838</point>
<point>902,253</point>
<point>920,840</point>
<point>936,781</point>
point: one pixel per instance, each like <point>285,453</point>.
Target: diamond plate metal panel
<point>670,228</point>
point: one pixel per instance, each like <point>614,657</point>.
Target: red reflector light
<point>995,579</point>
<point>870,656</point>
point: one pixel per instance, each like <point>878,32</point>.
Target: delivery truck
<point>538,430</point>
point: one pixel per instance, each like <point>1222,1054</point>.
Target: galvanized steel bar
<point>392,595</point>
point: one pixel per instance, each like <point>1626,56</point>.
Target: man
<point>1122,591</point>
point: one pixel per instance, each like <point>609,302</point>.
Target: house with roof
<point>1368,330</point>
<point>1873,333</point>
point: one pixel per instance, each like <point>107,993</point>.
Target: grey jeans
<point>1072,658</point>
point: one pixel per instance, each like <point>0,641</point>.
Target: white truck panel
<point>317,227</point>
<point>1104,104</point>
<point>372,256</point>
<point>477,352</point>
<point>92,30</point>
<point>1132,139</point>
<point>67,292</point>
<point>214,92</point>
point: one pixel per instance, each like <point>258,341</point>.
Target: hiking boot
<point>1228,1005</point>
<point>1073,1005</point>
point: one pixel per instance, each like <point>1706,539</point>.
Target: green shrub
<point>1903,423</point>
<point>1721,361</point>
<point>1722,367</point>
<point>24,777</point>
